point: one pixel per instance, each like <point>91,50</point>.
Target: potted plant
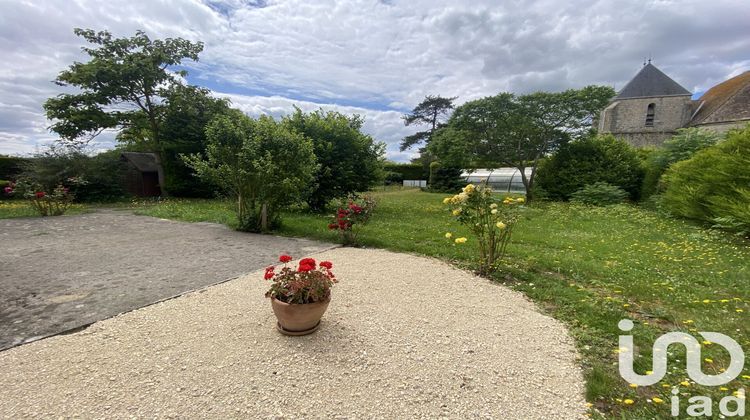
<point>300,297</point>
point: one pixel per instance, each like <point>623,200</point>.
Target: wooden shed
<point>142,175</point>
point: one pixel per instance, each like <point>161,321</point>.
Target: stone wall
<point>626,119</point>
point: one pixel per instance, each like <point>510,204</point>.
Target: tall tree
<point>349,160</point>
<point>122,85</point>
<point>518,131</point>
<point>432,112</point>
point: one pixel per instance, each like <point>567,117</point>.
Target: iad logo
<point>701,405</point>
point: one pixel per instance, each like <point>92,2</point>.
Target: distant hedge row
<point>407,170</point>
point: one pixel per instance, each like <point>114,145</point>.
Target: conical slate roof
<point>650,81</point>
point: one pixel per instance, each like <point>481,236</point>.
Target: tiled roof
<point>727,101</point>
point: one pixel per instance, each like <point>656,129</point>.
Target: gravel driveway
<point>59,273</point>
<point>405,337</point>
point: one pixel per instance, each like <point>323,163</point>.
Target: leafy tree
<point>682,146</point>
<point>517,131</point>
<point>122,85</point>
<point>432,112</point>
<point>261,163</point>
<point>186,113</point>
<point>349,161</point>
<point>588,161</point>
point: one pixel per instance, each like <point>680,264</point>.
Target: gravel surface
<point>58,273</point>
<point>404,337</point>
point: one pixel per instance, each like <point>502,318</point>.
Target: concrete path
<point>404,337</point>
<point>59,273</point>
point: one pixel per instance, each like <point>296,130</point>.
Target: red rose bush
<point>310,282</point>
<point>350,215</point>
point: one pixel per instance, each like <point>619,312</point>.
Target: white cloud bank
<point>375,58</point>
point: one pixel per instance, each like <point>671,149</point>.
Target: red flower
<point>306,264</point>
<point>333,226</point>
<point>326,264</point>
<point>40,194</point>
<point>285,258</point>
<point>269,273</point>
<point>8,190</point>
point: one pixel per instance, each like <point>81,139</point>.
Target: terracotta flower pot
<point>298,319</point>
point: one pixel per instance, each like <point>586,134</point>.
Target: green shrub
<point>393,178</point>
<point>682,146</point>
<point>90,178</point>
<point>587,161</point>
<point>599,194</point>
<point>11,167</point>
<point>260,163</point>
<point>714,185</point>
<point>446,179</point>
<point>348,160</point>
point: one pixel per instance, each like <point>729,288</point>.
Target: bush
<point>393,178</point>
<point>96,178</point>
<point>351,214</point>
<point>11,167</point>
<point>599,194</point>
<point>260,163</point>
<point>348,160</point>
<point>490,221</point>
<point>445,179</point>
<point>682,146</point>
<point>714,185</point>
<point>587,161</point>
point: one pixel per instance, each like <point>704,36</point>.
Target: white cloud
<point>373,57</point>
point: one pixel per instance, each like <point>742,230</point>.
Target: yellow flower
<point>657,400</point>
<point>521,200</point>
<point>708,360</point>
<point>448,235</point>
<point>628,401</point>
<point>493,205</point>
<point>447,200</point>
<point>456,212</point>
<point>469,188</point>
<point>460,240</point>
<point>685,383</point>
<point>633,386</point>
<point>493,211</point>
<point>723,388</point>
<point>500,225</point>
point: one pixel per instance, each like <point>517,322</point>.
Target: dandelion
<point>657,400</point>
<point>739,310</point>
<point>633,386</point>
<point>708,360</point>
<point>448,235</point>
<point>723,388</point>
<point>685,383</point>
<point>628,401</point>
<point>460,240</point>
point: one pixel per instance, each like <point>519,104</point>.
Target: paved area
<point>59,273</point>
<point>404,337</point>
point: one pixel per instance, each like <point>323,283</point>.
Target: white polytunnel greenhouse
<point>500,179</point>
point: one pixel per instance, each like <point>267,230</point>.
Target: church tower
<point>648,110</point>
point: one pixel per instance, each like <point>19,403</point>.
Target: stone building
<point>652,107</point>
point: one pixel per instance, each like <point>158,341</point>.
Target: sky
<point>375,58</point>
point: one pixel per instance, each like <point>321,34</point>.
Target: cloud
<point>373,57</point>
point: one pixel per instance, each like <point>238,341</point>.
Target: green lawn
<point>18,208</point>
<point>588,267</point>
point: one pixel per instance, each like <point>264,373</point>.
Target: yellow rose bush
<point>490,219</point>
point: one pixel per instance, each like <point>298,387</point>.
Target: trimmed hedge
<point>411,171</point>
<point>11,167</point>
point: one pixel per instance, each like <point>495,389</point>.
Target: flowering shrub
<point>492,221</point>
<point>309,283</point>
<point>351,214</point>
<point>55,203</point>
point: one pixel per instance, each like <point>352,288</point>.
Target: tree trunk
<point>264,217</point>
